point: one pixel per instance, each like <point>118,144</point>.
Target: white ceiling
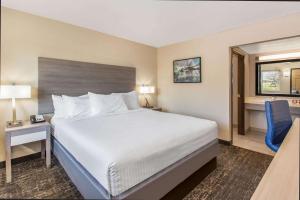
<point>288,44</point>
<point>156,23</point>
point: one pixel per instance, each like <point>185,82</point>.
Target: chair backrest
<point>279,120</point>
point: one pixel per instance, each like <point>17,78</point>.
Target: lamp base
<point>11,124</point>
<point>147,106</point>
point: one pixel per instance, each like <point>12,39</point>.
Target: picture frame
<point>187,70</point>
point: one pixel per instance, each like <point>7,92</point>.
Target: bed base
<point>174,182</point>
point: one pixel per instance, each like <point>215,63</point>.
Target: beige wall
<point>26,37</point>
<point>210,99</point>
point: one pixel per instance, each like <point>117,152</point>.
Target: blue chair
<point>279,122</point>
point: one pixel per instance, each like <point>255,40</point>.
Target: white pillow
<point>131,99</point>
<point>58,105</point>
<point>103,104</point>
<point>76,106</point>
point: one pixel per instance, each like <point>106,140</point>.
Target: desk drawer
<point>26,138</point>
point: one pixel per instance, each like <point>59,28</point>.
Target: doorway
<point>238,92</point>
<point>271,71</point>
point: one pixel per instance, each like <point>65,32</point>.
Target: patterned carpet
<point>236,177</point>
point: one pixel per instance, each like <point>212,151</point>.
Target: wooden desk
<point>281,180</point>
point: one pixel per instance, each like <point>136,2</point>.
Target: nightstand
<point>25,134</point>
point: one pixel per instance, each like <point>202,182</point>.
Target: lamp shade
<point>145,89</point>
<point>15,91</point>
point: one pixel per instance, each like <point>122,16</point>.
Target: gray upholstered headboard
<point>75,78</point>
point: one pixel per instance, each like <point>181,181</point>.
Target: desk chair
<point>279,121</point>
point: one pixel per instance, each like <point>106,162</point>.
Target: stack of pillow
<point>93,104</point>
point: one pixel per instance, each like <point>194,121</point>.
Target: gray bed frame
<point>77,78</point>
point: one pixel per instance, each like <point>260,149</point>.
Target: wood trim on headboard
<point>73,78</point>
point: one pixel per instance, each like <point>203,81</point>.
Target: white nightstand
<point>26,134</point>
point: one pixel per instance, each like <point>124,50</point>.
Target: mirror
<point>278,78</point>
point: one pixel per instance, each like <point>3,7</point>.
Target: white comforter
<point>121,150</point>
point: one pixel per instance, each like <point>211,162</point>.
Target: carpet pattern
<point>238,173</point>
<point>31,179</point>
<point>236,177</point>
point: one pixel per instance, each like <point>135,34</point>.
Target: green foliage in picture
<point>270,81</point>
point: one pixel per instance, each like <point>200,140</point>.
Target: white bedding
<point>121,150</point>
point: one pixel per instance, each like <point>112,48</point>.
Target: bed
<point>137,154</point>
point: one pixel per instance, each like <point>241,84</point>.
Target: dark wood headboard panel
<point>75,78</point>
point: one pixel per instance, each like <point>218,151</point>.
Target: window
<point>270,81</point>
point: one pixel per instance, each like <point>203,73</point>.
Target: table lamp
<point>146,89</point>
<point>14,92</point>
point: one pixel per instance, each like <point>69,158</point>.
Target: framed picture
<point>187,70</point>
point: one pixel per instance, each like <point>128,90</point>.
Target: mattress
<point>124,149</point>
